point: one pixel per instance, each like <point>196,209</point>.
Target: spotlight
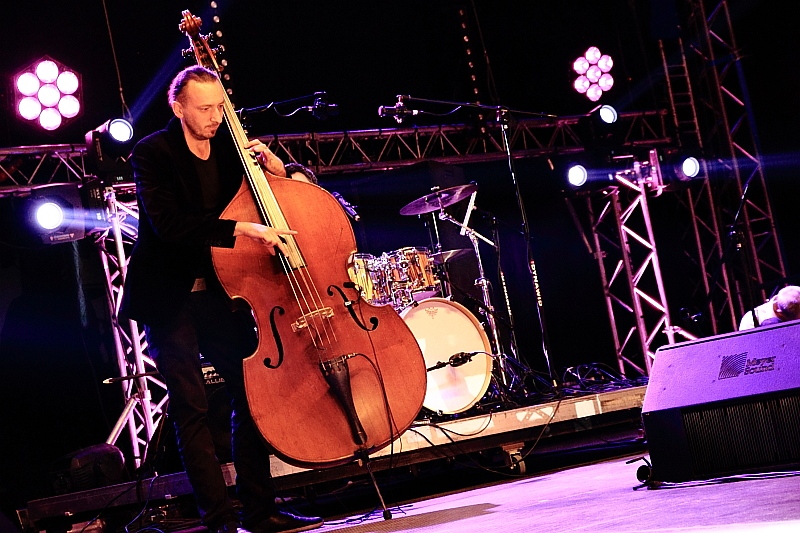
<point>607,114</point>
<point>690,167</point>
<point>577,175</point>
<point>49,215</point>
<point>120,130</point>
<point>600,130</point>
<point>48,92</point>
<point>108,148</point>
<point>680,166</point>
<point>55,214</point>
<point>585,171</point>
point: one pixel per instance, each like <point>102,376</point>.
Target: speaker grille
<point>745,435</point>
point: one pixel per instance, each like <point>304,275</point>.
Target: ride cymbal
<point>438,200</point>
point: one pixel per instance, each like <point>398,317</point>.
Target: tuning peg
<point>187,53</point>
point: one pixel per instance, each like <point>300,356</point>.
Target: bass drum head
<point>442,329</point>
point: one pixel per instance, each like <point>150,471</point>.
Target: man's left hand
<point>268,161</point>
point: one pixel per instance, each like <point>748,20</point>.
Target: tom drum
<point>369,273</point>
<point>411,268</point>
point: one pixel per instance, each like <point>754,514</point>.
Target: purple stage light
<point>49,93</point>
<point>593,73</point>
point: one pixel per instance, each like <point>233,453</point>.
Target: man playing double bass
<point>185,176</point>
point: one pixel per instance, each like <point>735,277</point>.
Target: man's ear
<point>177,109</point>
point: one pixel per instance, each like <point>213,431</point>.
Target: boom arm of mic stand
<point>410,99</point>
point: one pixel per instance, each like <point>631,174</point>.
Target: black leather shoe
<point>284,522</point>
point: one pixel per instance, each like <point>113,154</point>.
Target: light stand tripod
<point>401,109</point>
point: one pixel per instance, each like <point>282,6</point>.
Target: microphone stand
<point>734,242</point>
<point>318,98</point>
<point>503,117</point>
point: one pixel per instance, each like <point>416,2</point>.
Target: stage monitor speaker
<point>725,405</point>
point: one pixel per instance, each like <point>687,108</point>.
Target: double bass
<point>333,378</point>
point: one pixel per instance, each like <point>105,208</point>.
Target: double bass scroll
<point>323,387</point>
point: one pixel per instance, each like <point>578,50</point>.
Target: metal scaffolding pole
<point>145,395</point>
<point>737,171</point>
<point>623,244</point>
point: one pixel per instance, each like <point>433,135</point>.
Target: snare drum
<point>368,272</point>
<point>442,329</point>
<point>410,269</point>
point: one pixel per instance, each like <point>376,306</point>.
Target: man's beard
<point>202,133</point>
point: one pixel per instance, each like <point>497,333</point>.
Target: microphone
<point>399,110</point>
<point>321,109</point>
<point>348,208</point>
<point>461,358</point>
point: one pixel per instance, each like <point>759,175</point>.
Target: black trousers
<point>207,325</point>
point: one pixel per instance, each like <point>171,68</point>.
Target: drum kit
<point>459,355</point>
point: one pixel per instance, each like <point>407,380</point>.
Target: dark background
<point>54,335</point>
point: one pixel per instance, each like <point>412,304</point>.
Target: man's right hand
<point>265,235</point>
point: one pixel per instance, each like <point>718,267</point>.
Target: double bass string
<point>308,300</point>
<point>269,211</point>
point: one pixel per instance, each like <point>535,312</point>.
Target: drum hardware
<point>456,350</point>
<point>438,199</point>
<point>441,258</point>
<point>503,116</point>
<point>488,309</point>
<point>457,359</point>
<point>435,202</point>
<point>399,278</point>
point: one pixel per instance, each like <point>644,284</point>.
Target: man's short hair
<point>193,73</point>
<point>787,302</point>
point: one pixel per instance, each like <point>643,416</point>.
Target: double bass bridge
<point>317,314</point>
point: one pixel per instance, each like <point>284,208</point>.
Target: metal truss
<point>382,149</point>
<point>725,118</point>
<point>702,234</point>
<point>624,247</point>
<point>390,148</point>
<point>27,166</point>
<point>144,393</point>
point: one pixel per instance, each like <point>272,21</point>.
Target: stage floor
<point>504,443</point>
<point>597,498</point>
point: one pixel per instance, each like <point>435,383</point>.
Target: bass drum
<point>442,329</point>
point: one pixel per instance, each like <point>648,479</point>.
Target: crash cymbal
<point>443,257</point>
<point>438,200</point>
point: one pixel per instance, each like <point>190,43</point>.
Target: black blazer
<point>175,230</point>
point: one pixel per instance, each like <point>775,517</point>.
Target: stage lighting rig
<point>48,93</point>
<point>594,76</point>
<point>658,172</point>
<point>108,148</point>
<point>54,213</point>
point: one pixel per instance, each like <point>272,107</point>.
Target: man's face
<point>200,109</point>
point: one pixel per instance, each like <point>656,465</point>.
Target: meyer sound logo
<point>737,364</point>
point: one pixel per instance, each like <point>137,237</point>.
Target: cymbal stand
<point>483,283</point>
<point>436,240</point>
